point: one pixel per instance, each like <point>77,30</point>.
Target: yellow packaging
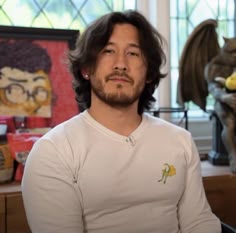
<point>6,164</point>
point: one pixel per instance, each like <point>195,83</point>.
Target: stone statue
<point>221,79</point>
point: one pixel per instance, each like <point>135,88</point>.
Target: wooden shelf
<point>13,187</point>
<point>12,212</point>
<point>214,170</point>
<point>220,188</point>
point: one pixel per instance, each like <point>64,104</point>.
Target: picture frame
<point>56,42</point>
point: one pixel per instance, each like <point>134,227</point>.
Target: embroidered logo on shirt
<point>168,170</point>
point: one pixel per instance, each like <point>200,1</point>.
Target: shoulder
<point>63,136</point>
<point>66,128</point>
<point>163,126</point>
<point>59,146</point>
<point>164,133</point>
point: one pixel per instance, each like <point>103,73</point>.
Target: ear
<point>84,72</point>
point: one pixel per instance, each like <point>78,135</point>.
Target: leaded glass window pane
<point>64,14</point>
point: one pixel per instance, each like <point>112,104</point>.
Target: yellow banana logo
<point>168,170</point>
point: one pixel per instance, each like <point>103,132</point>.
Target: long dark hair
<point>95,38</point>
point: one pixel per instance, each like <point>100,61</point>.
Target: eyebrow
<point>38,77</point>
<point>17,80</point>
<point>130,44</point>
<point>25,80</point>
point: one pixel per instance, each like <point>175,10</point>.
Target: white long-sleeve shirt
<point>82,177</point>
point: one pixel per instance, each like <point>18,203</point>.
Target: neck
<point>122,121</point>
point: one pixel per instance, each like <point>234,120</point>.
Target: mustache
<point>121,74</point>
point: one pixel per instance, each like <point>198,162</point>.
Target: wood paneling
<point>12,212</point>
<point>16,219</point>
<point>221,195</point>
<point>2,214</point>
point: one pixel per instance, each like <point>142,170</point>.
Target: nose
<point>120,63</point>
<point>118,68</point>
<point>30,94</point>
<point>30,97</point>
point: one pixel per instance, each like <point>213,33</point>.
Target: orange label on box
<point>6,160</point>
<point>6,163</point>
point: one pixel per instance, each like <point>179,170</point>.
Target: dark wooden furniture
<point>221,194</point>
<point>12,213</point>
<point>220,187</point>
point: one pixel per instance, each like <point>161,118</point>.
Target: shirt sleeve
<point>51,195</point>
<point>194,212</point>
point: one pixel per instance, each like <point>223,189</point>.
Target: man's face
<point>120,73</point>
<point>23,91</point>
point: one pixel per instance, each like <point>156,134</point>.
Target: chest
<point>130,175</point>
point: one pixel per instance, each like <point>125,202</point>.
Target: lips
<point>119,77</point>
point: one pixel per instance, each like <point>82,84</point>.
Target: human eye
<point>108,51</point>
<point>132,53</point>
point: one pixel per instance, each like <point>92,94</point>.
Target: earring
<point>86,76</point>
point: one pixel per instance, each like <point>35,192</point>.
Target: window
<point>63,14</point>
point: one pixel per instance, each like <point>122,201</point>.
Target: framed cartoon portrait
<point>34,78</point>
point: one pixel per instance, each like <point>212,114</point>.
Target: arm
<point>220,68</point>
<point>220,94</point>
<point>51,196</point>
<point>194,213</point>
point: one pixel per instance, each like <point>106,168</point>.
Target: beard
<point>118,98</point>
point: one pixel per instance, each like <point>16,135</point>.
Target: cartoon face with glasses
<point>25,88</point>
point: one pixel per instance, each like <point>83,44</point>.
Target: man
<point>112,168</point>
